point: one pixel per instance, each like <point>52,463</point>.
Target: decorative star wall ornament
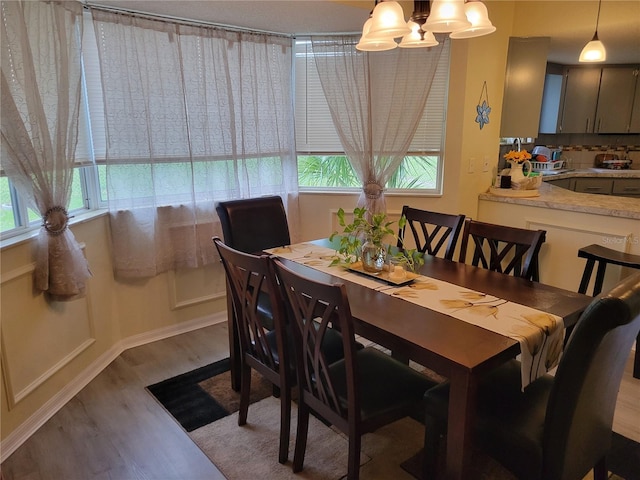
<point>483,109</point>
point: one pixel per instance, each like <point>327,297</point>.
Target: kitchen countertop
<point>591,172</point>
<point>559,198</point>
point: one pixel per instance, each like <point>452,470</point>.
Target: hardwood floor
<point>114,429</point>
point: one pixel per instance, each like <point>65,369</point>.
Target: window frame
<point>437,191</point>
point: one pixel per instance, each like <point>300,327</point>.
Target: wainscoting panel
<point>189,287</point>
<point>38,336</point>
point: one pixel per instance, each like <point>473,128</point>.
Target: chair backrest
<point>316,308</point>
<point>582,401</point>
<point>503,249</point>
<point>431,231</point>
<point>254,224</point>
<point>248,278</point>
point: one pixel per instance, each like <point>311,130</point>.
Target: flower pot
<point>517,174</point>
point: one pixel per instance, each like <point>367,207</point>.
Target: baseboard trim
<point>21,434</point>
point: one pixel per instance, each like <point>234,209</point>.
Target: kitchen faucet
<point>517,143</point>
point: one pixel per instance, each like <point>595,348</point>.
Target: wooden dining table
<point>453,348</point>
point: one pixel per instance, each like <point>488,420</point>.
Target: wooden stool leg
<point>586,276</point>
<point>597,288</point>
<point>636,360</point>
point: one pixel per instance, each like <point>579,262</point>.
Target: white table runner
<point>541,335</point>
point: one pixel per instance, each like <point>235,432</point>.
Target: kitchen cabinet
<point>579,100</point>
<point>601,186</point>
<point>602,100</point>
<point>568,183</point>
<point>615,99</point>
<point>626,187</point>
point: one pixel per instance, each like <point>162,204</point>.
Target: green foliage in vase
<point>374,228</point>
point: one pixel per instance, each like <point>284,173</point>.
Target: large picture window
<point>322,163</point>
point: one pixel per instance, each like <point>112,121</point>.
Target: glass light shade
<point>447,16</point>
<point>368,44</point>
<point>388,21</point>
<point>593,51</point>
<point>414,40</point>
<point>477,15</point>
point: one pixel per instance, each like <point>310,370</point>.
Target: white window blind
<point>315,132</point>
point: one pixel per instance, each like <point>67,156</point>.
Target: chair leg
<point>285,424</point>
<point>301,435</point>
<point>245,391</point>
<point>353,468</point>
<point>432,435</point>
<point>636,360</point>
<point>600,470</point>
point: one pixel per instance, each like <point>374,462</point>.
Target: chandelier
<point>459,18</point>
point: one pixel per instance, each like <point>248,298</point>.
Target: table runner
<point>540,334</point>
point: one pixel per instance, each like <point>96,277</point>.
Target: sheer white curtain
<point>376,102</point>
<point>193,115</point>
<point>41,92</point>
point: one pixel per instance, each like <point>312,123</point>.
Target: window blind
<point>315,132</point>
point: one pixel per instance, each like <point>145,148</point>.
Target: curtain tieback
<point>56,220</point>
<point>372,190</point>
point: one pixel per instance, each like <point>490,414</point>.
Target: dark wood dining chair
<point>559,427</point>
<point>251,225</point>
<point>510,250</point>
<point>265,350</point>
<point>359,394</point>
<point>604,256</point>
<point>431,231</point>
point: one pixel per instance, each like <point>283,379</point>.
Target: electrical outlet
<point>472,165</point>
<point>485,164</point>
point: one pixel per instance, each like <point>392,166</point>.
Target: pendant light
<point>477,14</point>
<point>594,51</point>
<point>447,16</point>
<point>388,21</point>
<point>419,37</point>
<point>368,44</point>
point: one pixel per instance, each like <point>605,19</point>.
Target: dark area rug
<point>202,396</point>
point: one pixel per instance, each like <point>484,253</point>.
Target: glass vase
<point>374,256</point>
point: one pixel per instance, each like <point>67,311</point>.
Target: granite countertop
<point>559,198</point>
<point>591,172</point>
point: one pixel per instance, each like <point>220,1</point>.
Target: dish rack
<point>546,166</point>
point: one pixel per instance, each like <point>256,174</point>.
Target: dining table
<point>460,351</point>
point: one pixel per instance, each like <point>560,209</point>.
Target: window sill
<point>32,232</point>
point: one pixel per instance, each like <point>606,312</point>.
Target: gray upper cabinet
<point>579,100</point>
<point>615,100</point>
<point>594,100</point>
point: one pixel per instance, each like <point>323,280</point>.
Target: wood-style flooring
<point>114,430</point>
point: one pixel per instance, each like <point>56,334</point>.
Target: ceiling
<point>569,23</point>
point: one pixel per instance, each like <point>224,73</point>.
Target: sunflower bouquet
<point>518,157</point>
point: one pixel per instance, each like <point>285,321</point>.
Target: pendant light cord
<point>598,16</point>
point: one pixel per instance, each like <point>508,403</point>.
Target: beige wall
<point>51,350</point>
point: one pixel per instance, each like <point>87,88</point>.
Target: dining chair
<point>268,351</point>
<point>559,427</point>
<point>431,231</point>
<point>359,394</point>
<point>251,225</point>
<point>265,350</point>
<point>607,256</point>
<point>503,249</point>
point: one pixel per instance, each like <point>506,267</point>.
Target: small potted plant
<point>363,240</point>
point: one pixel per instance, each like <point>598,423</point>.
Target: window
<point>322,163</point>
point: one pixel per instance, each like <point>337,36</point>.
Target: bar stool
<point>604,256</point>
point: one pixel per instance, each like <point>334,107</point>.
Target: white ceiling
<point>569,23</point>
